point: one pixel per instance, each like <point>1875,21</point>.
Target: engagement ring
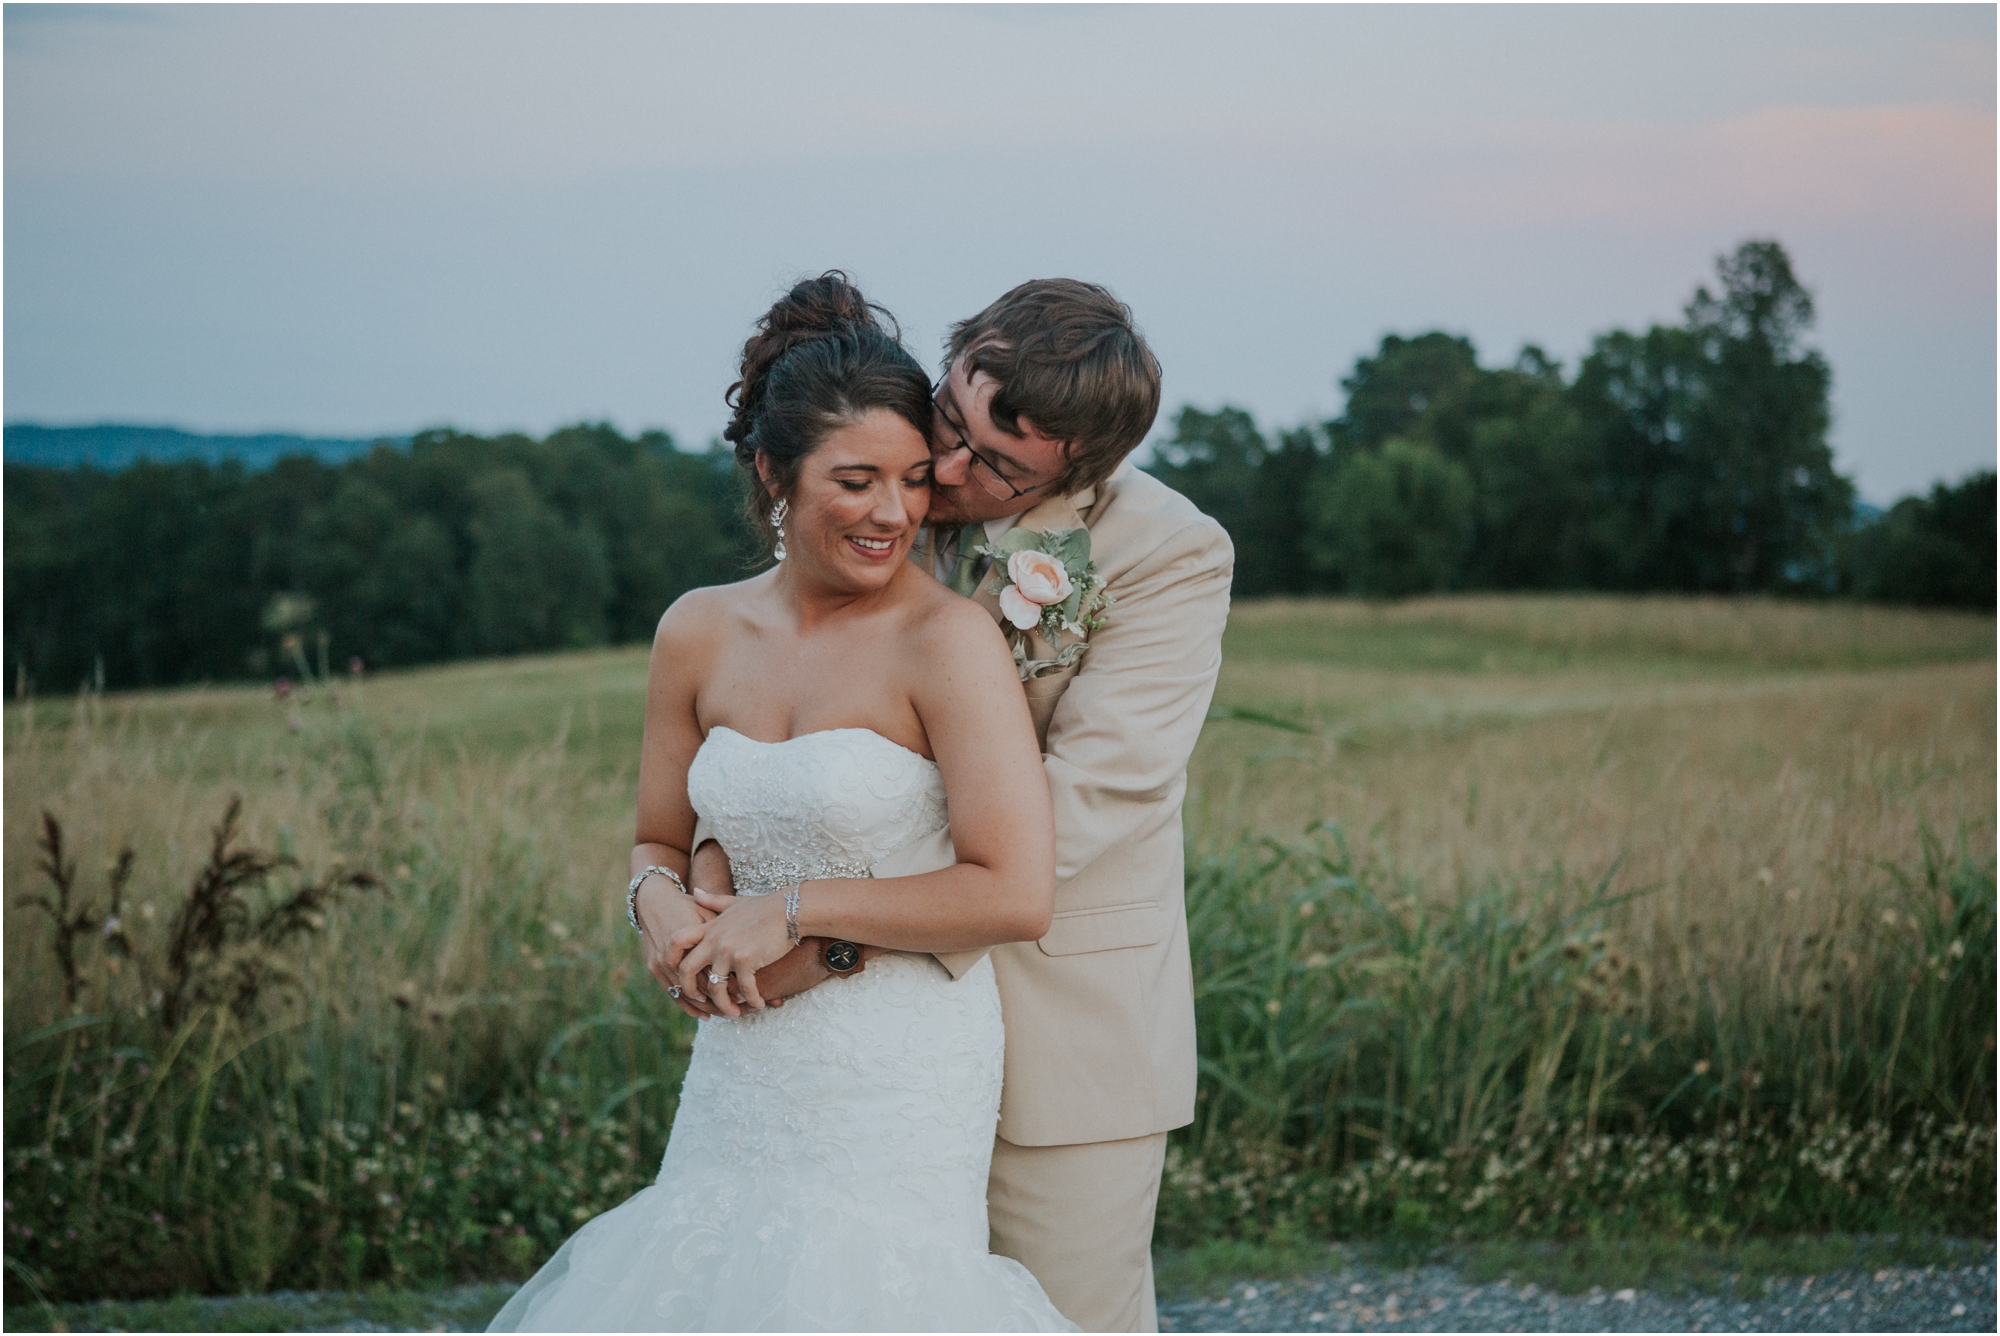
<point>715,978</point>
<point>673,991</point>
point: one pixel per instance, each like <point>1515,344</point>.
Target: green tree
<point>1538,513</point>
<point>385,577</point>
<point>1392,522</point>
<point>1710,439</point>
<point>535,582</point>
<point>1222,463</point>
<point>1936,550</point>
<point>1422,389</point>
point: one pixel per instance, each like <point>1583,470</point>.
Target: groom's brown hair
<point>1070,360</point>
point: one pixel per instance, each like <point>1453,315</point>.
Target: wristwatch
<point>841,957</point>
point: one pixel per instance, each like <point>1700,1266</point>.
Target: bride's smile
<point>856,507</point>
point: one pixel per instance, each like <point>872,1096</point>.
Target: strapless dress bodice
<point>827,804</point>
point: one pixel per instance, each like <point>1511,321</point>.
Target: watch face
<point>842,956</point>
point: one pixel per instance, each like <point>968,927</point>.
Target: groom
<point>1048,390</point>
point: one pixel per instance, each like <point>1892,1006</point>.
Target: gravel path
<point>1360,1298</point>
<point>1439,1299</point>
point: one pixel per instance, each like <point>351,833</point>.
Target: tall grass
<point>1492,997</point>
<point>1377,1057</point>
<point>442,1076</point>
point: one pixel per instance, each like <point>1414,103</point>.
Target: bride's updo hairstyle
<point>821,358</point>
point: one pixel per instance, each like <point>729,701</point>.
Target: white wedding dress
<point>827,1167</point>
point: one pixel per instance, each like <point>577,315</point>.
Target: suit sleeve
<point>1120,738</point>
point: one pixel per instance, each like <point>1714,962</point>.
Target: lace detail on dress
<point>827,1166</point>
<point>844,796</point>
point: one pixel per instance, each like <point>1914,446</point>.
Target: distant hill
<point>114,446</point>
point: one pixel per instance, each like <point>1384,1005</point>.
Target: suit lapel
<point>1058,512</point>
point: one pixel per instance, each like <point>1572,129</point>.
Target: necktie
<point>965,575</point>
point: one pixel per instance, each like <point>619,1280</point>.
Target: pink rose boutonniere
<point>1050,592</point>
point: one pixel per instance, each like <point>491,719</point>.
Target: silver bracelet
<point>792,913</point>
<point>632,891</point>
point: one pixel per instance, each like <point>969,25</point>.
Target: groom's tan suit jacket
<point>1100,1012</point>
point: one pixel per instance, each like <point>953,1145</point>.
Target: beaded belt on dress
<point>765,875</point>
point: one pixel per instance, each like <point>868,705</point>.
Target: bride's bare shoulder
<point>947,626</point>
<point>702,617</point>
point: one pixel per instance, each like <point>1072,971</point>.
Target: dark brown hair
<point>1068,359</point>
<point>820,359</point>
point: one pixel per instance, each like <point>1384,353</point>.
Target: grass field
<point>1751,765</point>
<point>1665,914</point>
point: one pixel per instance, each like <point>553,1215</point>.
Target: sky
<point>350,220</point>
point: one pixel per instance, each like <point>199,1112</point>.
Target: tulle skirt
<point>826,1172</point>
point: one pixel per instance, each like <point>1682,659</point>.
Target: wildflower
<point>1701,1068</point>
<point>1272,1007</point>
<point>1888,918</point>
<point>282,687</point>
<point>354,665</point>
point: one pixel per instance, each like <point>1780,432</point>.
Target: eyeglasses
<point>983,470</point>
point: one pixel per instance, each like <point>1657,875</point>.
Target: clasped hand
<point>664,912</point>
<point>746,934</point>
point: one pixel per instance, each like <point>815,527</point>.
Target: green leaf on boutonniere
<point>1073,545</point>
<point>1017,540</point>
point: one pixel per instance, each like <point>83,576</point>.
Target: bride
<point>827,1165</point>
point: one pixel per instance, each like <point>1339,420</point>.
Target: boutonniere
<point>1049,588</point>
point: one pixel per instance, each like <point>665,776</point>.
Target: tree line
<point>1690,458</point>
<point>456,546</point>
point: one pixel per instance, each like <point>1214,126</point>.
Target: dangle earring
<point>778,522</point>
